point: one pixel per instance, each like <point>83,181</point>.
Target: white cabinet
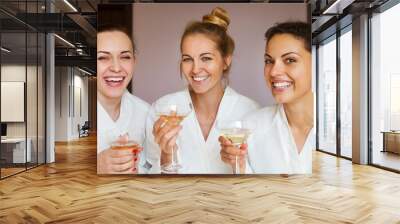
<point>18,149</point>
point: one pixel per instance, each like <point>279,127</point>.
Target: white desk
<point>19,149</point>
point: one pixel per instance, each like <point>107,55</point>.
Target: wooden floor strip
<point>69,191</point>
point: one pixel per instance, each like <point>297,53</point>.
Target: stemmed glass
<point>237,132</point>
<point>173,112</point>
<point>125,142</point>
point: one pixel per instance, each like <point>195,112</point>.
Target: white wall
<point>67,114</point>
<point>12,73</point>
<point>157,29</point>
<point>61,103</point>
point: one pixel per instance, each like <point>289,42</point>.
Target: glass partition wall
<point>13,88</point>
<point>327,95</point>
<point>346,72</point>
<point>385,89</point>
<point>334,111</point>
<point>334,76</point>
<point>22,87</point>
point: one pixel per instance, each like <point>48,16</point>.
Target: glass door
<point>22,77</point>
<point>385,89</point>
<point>327,95</point>
<point>14,154</point>
<point>346,92</point>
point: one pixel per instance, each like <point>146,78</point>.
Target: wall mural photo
<point>205,89</point>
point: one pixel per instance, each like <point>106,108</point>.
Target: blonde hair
<point>214,26</point>
<point>219,17</point>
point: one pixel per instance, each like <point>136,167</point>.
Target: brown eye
<point>290,60</point>
<point>204,59</point>
<point>268,61</point>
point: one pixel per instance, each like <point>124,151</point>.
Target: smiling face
<point>202,63</point>
<point>287,68</point>
<point>115,63</point>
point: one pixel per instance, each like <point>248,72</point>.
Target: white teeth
<point>281,84</point>
<point>114,79</point>
<point>200,78</point>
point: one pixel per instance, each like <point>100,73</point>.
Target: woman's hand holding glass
<point>165,135</point>
<point>121,158</point>
<point>233,139</point>
<point>232,156</point>
<point>166,131</point>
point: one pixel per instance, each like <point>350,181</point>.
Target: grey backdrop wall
<point>157,29</point>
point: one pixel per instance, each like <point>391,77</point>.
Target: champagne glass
<point>128,143</point>
<point>237,132</point>
<point>173,112</point>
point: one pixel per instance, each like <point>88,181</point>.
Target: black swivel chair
<point>84,130</point>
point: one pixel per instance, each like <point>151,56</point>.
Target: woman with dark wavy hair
<point>283,140</point>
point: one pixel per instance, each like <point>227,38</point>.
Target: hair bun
<point>219,17</point>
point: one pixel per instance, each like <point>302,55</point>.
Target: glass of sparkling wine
<point>173,113</point>
<point>237,132</point>
<point>124,142</point>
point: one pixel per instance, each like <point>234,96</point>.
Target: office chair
<point>84,130</point>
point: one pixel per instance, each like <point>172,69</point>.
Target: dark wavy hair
<point>299,30</point>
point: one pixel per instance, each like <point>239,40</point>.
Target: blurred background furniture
<point>391,141</point>
<point>84,130</point>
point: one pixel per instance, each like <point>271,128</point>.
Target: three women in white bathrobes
<point>206,56</point>
<point>121,116</point>
<point>282,140</point>
<point>282,137</point>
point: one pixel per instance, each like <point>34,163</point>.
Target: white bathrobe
<point>271,146</point>
<point>131,120</point>
<point>196,155</point>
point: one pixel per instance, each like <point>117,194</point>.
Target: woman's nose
<point>196,67</point>
<point>116,66</point>
<point>277,68</point>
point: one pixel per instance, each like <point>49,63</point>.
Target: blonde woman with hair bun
<point>206,57</point>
